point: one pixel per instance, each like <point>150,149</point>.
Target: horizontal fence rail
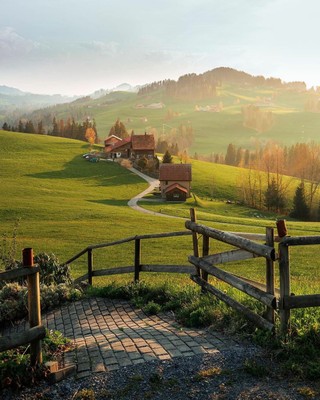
<point>235,240</point>
<point>246,249</point>
<point>136,267</point>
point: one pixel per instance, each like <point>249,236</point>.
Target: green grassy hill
<point>213,131</point>
<point>65,203</point>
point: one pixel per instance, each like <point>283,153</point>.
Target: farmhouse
<point>175,181</point>
<point>133,147</point>
<point>110,142</point>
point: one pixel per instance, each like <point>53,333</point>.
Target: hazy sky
<point>79,46</point>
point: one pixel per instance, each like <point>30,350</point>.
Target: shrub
<point>51,271</point>
<point>55,289</point>
<point>152,308</point>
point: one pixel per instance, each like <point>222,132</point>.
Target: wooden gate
<point>247,249</point>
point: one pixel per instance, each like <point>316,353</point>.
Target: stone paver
<point>111,334</point>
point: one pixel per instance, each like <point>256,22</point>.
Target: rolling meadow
<point>55,201</point>
<point>62,203</point>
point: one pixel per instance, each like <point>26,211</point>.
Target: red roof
<point>175,186</point>
<point>138,142</point>
<point>143,142</point>
<point>122,143</point>
<point>112,139</point>
<point>175,172</point>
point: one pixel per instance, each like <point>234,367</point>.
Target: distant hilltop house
<point>133,147</point>
<point>175,181</point>
<point>153,106</point>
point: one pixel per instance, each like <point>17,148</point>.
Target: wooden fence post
<point>137,263</point>
<point>195,238</point>
<point>270,274</point>
<point>205,252</point>
<point>33,305</point>
<point>284,266</point>
<point>90,266</point>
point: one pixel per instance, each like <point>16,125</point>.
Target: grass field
<point>65,203</point>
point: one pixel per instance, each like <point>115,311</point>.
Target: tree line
<point>202,86</point>
<point>63,128</point>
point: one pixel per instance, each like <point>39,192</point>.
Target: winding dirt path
<point>153,183</point>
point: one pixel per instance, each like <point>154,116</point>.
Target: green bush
<point>152,308</point>
<point>13,302</point>
<point>51,271</point>
<point>55,288</point>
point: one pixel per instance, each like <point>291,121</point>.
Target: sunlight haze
<point>77,47</point>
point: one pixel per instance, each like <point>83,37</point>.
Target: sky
<point>75,47</point>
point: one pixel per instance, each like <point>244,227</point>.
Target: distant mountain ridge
<point>11,91</point>
<point>13,98</point>
<point>123,87</point>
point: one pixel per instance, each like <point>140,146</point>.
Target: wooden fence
<point>275,300</point>
<point>136,266</point>
<point>36,331</point>
<point>280,300</point>
<point>288,300</point>
<point>247,249</point>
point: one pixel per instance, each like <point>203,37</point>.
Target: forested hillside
<point>219,107</point>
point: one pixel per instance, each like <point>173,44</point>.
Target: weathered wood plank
<point>8,342</point>
<point>98,246</point>
<point>284,267</point>
<point>265,298</point>
<point>137,255</point>
<point>195,241</point>
<point>301,301</point>
<point>255,318</point>
<point>183,269</point>
<point>251,236</point>
<point>132,238</point>
<point>300,240</point>
<point>18,273</point>
<point>75,257</point>
<point>113,271</point>
<point>270,281</point>
<point>178,269</point>
<point>258,285</point>
<point>164,235</point>
<point>229,256</point>
<point>226,237</point>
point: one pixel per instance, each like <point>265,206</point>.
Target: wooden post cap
<point>281,228</point>
<point>27,257</point>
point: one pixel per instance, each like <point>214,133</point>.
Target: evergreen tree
<point>300,208</point>
<point>40,128</point>
<point>55,127</point>
<point>167,158</point>
<point>20,126</point>
<point>6,127</point>
<point>29,128</point>
<point>274,200</point>
<point>231,155</point>
<point>119,130</point>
